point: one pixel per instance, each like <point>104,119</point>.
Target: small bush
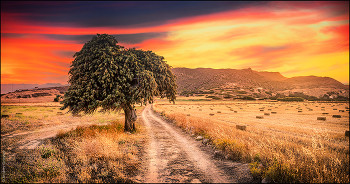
<point>57,99</point>
<point>47,152</point>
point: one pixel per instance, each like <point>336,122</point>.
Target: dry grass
<point>289,146</point>
<point>96,153</point>
<point>91,154</point>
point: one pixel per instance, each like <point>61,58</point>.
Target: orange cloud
<point>295,38</point>
<point>33,58</point>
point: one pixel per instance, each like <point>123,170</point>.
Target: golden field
<point>287,143</point>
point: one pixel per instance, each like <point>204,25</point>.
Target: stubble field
<point>282,141</point>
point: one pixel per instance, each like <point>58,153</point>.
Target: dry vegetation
<point>96,151</point>
<point>284,146</point>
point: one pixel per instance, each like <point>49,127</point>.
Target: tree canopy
<point>105,74</point>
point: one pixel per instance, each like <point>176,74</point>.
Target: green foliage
<point>104,74</point>
<point>256,170</point>
<point>47,152</point>
<point>291,99</point>
<point>247,98</point>
<point>57,98</point>
<point>228,96</point>
<point>241,92</point>
<point>281,173</point>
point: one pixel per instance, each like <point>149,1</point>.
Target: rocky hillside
<point>33,95</point>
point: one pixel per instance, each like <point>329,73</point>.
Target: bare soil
<point>174,156</point>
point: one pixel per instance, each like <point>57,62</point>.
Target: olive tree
<point>104,74</point>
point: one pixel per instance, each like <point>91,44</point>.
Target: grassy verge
<point>277,158</point>
<point>90,154</point>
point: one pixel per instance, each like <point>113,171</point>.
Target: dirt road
<point>32,139</point>
<point>174,156</point>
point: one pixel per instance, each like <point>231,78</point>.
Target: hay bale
<point>235,111</point>
<point>310,109</point>
<point>347,133</point>
<point>211,114</point>
<point>260,117</point>
<point>335,109</point>
<point>300,111</point>
<point>267,114</point>
<point>188,114</point>
<point>325,113</point>
<point>5,116</point>
<point>341,111</point>
<point>19,113</point>
<point>273,112</point>
<point>336,116</point>
<point>241,127</point>
<point>262,110</point>
<point>321,118</point>
<point>218,111</point>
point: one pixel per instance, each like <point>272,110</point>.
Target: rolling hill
<point>208,78</point>
<point>225,81</point>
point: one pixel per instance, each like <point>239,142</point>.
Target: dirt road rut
<point>176,157</point>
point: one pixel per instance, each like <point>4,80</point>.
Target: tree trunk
<point>130,118</point>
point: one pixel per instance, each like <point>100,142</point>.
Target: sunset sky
<point>38,39</point>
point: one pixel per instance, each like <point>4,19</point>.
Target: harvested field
<point>295,143</point>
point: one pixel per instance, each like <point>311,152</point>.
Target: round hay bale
<point>260,117</point>
<point>241,127</point>
<point>336,116</point>
<point>267,114</point>
<point>211,114</point>
<point>273,112</point>
<point>321,118</point>
<point>325,113</point>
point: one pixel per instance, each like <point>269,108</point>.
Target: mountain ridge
<point>208,78</point>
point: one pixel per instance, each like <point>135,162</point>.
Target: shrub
<point>57,99</point>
